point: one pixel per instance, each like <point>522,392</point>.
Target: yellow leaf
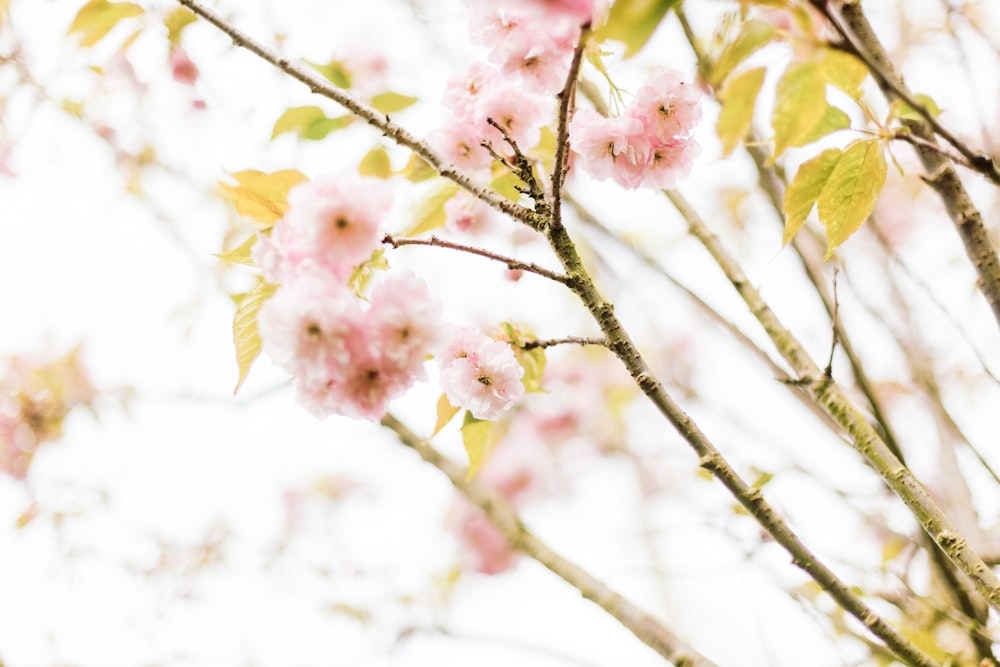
<point>96,19</point>
<point>844,71</point>
<point>752,36</point>
<point>850,193</point>
<point>799,104</point>
<point>633,22</point>
<point>260,196</point>
<point>738,96</point>
<point>376,163</point>
<point>429,213</point>
<point>176,21</point>
<point>833,119</point>
<point>805,188</point>
<point>364,272</point>
<point>477,437</point>
<point>392,102</point>
<point>241,253</point>
<point>445,412</point>
<point>417,169</point>
<point>245,335</point>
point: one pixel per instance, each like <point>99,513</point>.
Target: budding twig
<point>568,340</point>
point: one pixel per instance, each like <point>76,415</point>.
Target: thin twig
<point>511,263</point>
<point>496,508</point>
<point>568,340</point>
<point>395,132</point>
<point>567,97</point>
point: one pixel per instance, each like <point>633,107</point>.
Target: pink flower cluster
<point>530,46</point>
<point>650,145</point>
<point>480,374</point>
<point>345,358</point>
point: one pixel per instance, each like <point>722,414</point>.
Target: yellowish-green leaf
<point>260,196</point>
<point>738,96</point>
<point>903,111</point>
<point>241,254</point>
<point>545,151</point>
<point>633,22</point>
<point>833,119</point>
<point>445,412</point>
<point>417,169</point>
<point>477,437</point>
<point>850,193</point>
<point>802,192</point>
<point>176,22</point>
<point>533,363</point>
<point>376,163</point>
<point>762,479</point>
<point>97,18</point>
<point>844,71</point>
<point>506,185</point>
<point>429,212</point>
<point>392,102</point>
<point>364,272</point>
<point>245,335</point>
<point>334,72</point>
<point>752,36</point>
<point>800,102</point>
<point>309,123</point>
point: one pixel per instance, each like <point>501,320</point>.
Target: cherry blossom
<point>668,107</point>
<point>182,68</point>
<point>333,223</point>
<point>614,148</point>
<point>480,374</point>
<point>465,213</point>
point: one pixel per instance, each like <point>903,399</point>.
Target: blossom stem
<point>568,340</point>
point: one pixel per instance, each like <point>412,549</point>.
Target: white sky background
<point>81,261</point>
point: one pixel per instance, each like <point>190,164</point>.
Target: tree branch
<point>644,626</point>
<point>396,133</point>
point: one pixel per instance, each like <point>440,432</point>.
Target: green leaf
<point>833,119</point>
<point>429,212</point>
<point>799,104</point>
<point>241,254</point>
<point>309,123</point>
<point>844,71</point>
<point>738,96</point>
<point>97,18</point>
<point>533,363</point>
<point>506,185</point>
<point>477,437</point>
<point>364,272</point>
<point>245,335</point>
<point>392,102</point>
<point>805,188</point>
<point>633,22</point>
<point>752,36</point>
<point>334,72</point>
<point>261,196</point>
<point>904,111</point>
<point>176,21</point>
<point>850,193</point>
<point>376,163</point>
<point>445,412</point>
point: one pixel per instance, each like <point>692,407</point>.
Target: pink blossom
<point>485,549</point>
<point>333,222</point>
<point>465,213</point>
<point>182,68</point>
<point>669,162</point>
<point>461,93</point>
<point>615,148</point>
<point>305,327</point>
<point>460,141</point>
<point>480,374</point>
<point>667,106</point>
<point>405,323</point>
<point>521,114</point>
